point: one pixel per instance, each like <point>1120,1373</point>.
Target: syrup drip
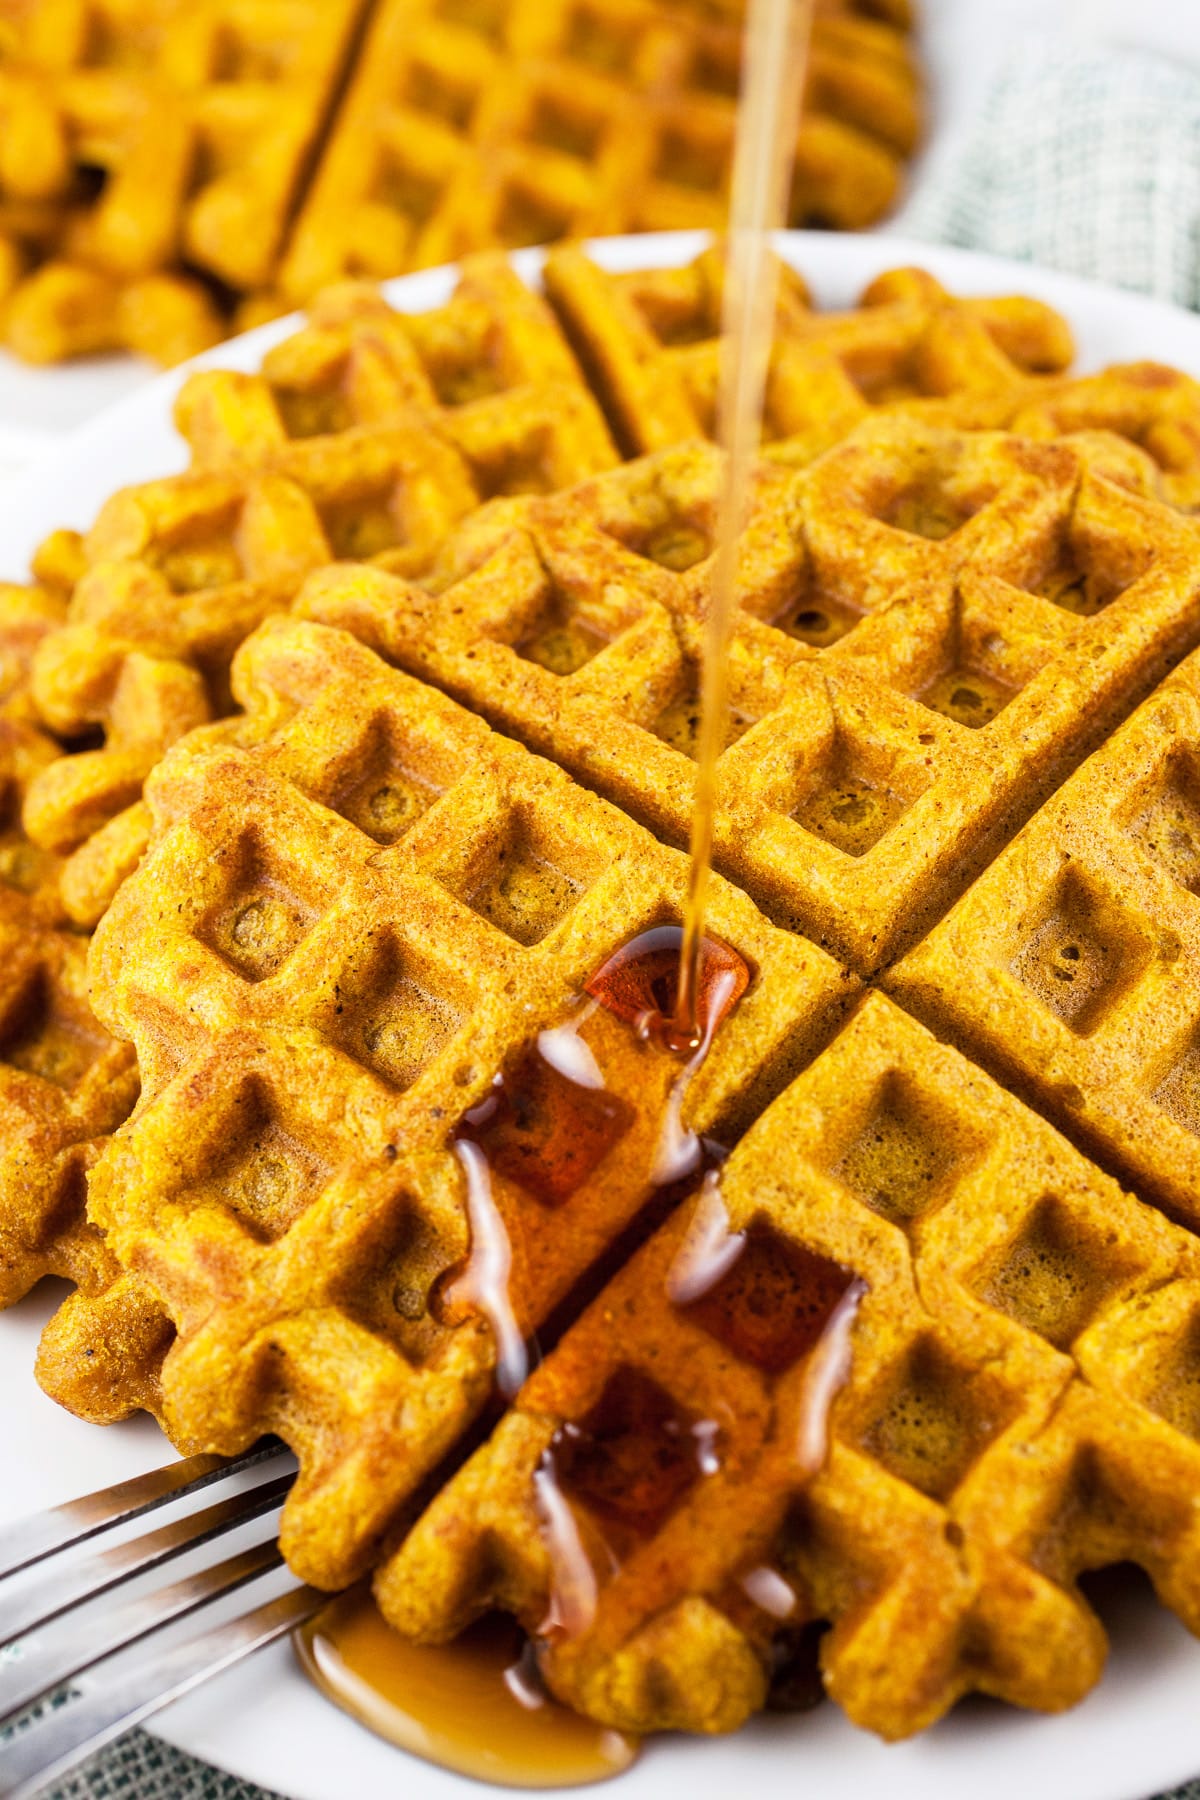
<point>476,1706</point>
<point>769,1592</point>
<point>776,56</point>
<point>484,1282</point>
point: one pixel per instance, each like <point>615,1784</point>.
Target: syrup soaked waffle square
<point>360,907</point>
<point>650,343</point>
<point>158,134</point>
<point>1071,965</point>
<point>529,120</point>
<point>1012,1403</point>
<point>934,627</point>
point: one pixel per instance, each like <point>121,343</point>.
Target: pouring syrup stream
<point>775,60</point>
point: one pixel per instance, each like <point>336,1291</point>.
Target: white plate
<point>1137,1734</point>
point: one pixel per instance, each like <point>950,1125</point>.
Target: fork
<point>81,1658</point>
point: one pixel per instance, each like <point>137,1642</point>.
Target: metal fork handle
<point>135,1683</point>
<point>42,1595</point>
<point>36,1666</point>
<point>28,1540</point>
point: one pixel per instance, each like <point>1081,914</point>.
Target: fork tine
<point>27,1541</point>
<point>41,1664</point>
<point>44,1595</point>
<point>136,1682</point>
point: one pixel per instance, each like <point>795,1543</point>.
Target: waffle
<point>156,135</point>
<point>153,154</point>
<point>385,904</point>
<point>64,1082</point>
<point>370,435</point>
<point>935,626</point>
<point>1019,1407</point>
<point>367,435</point>
<point>530,120</point>
<point>649,341</point>
<point>489,371</point>
<point>1071,964</point>
<point>1154,406</point>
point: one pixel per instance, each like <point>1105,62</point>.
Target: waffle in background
<point>344,929</point>
<point>1071,966</point>
<point>149,142</point>
<point>168,170</point>
<point>527,120</point>
<point>1020,1407</point>
<point>934,627</point>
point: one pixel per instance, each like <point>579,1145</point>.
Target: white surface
<point>1137,1734</point>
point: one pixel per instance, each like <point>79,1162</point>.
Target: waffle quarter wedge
<point>1070,965</point>
<point>140,139</point>
<point>346,929</point>
<point>646,1508</point>
<point>934,627</point>
<point>539,120</point>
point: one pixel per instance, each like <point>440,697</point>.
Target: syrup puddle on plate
<point>475,1706</point>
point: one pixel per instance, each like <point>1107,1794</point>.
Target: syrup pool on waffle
<point>478,1705</point>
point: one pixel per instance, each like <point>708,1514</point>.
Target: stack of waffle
<point>168,166</point>
<point>368,747</point>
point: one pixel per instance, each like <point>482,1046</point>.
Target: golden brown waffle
<point>343,931</point>
<point>367,435</point>
<point>1154,406</point>
<point>490,372</point>
<point>1071,965</point>
<point>1020,1408</point>
<point>649,342</point>
<point>527,120</point>
<point>64,1082</point>
<point>935,627</point>
<point>154,135</point>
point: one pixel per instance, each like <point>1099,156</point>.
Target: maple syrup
<point>776,56</point>
<point>475,1706</point>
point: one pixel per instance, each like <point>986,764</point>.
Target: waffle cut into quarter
<point>892,1382</point>
<point>363,917</point>
<point>1070,967</point>
<point>531,120</point>
<point>368,436</point>
<point>934,627</point>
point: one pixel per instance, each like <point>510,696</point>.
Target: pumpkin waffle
<point>935,626</point>
<point>359,907</point>
<point>1071,965</point>
<point>143,138</point>
<point>649,341</point>
<point>490,371</point>
<point>368,435</point>
<point>64,1082</point>
<point>1154,406</point>
<point>529,120</point>
<point>1018,1408</point>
